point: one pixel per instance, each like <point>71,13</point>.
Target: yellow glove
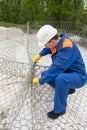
<point>35,81</point>
<point>37,57</point>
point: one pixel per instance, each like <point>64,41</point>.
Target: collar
<point>59,45</point>
<point>63,36</point>
<point>54,50</point>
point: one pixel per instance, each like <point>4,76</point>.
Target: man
<point>67,70</point>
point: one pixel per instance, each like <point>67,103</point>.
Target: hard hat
<point>45,34</point>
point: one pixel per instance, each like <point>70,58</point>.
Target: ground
<point>24,106</point>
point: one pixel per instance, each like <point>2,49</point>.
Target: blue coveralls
<point>66,71</point>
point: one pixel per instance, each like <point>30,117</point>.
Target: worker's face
<point>51,44</point>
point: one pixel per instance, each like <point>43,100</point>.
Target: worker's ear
<point>52,40</point>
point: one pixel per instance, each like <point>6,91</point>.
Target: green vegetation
<point>21,11</point>
<point>6,24</point>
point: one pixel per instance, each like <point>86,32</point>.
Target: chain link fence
<point>70,28</point>
<point>23,106</point>
<point>62,26</point>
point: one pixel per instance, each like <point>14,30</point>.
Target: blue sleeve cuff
<point>50,74</point>
<point>45,51</point>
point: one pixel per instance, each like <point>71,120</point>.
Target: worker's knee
<point>61,83</point>
<point>59,78</point>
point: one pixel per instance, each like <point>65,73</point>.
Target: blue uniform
<point>66,71</point>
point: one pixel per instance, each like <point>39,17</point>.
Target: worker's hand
<point>35,81</point>
<point>37,57</point>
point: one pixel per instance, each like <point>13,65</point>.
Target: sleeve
<point>62,61</point>
<point>50,74</point>
<point>45,51</point>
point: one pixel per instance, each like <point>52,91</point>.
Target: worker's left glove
<point>35,81</point>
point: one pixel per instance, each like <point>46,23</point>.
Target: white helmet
<point>45,33</point>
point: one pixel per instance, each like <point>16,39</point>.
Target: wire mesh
<point>24,106</point>
<point>42,102</point>
<point>62,26</point>
<point>14,73</point>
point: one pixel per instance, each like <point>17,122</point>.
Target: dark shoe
<point>71,91</point>
<point>53,115</point>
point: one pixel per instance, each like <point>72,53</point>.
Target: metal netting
<point>15,71</point>
<point>24,106</point>
<point>62,26</point>
<point>42,102</point>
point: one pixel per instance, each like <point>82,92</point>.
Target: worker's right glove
<point>37,58</point>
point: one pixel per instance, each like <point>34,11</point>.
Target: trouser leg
<point>63,83</point>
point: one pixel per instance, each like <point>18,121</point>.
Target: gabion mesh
<point>14,76</point>
<point>24,106</point>
<point>42,102</point>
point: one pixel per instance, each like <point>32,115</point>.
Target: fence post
<point>26,40</point>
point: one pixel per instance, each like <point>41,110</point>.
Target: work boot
<point>53,115</point>
<point>71,90</point>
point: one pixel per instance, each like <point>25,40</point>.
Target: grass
<point>7,25</point>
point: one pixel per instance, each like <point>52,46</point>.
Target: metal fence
<point>23,106</point>
<point>70,28</point>
<point>62,26</point>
